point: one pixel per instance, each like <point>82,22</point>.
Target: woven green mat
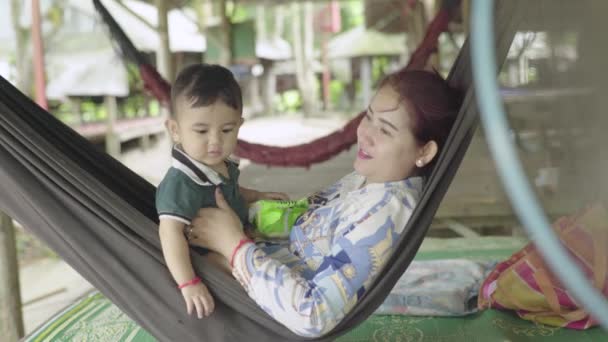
<point>487,326</point>
<point>95,318</point>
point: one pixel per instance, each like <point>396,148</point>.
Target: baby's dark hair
<point>203,84</point>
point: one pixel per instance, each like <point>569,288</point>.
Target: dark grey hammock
<point>100,217</point>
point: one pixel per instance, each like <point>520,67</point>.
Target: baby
<point>206,114</point>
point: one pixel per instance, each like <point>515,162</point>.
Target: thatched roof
<point>88,73</point>
<point>359,42</point>
<point>274,49</point>
<point>184,35</point>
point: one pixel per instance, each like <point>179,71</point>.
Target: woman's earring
<point>419,162</point>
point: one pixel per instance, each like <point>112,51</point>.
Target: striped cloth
<point>525,284</point>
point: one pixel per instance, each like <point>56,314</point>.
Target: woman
<point>338,247</point>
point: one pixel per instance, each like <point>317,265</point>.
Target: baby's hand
<point>197,297</point>
<point>278,196</point>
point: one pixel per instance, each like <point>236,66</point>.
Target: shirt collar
<point>197,171</point>
<point>414,183</point>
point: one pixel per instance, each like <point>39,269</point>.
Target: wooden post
<point>11,319</point>
<point>144,141</point>
<point>254,94</point>
<point>465,8</point>
<point>303,54</point>
<point>112,140</point>
<point>366,79</point>
<point>269,87</point>
<point>74,104</point>
<point>326,77</point>
<point>38,56</point>
<point>23,82</point>
<point>163,55</point>
<point>260,22</point>
<point>226,38</point>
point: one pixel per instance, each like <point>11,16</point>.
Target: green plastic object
<point>276,218</point>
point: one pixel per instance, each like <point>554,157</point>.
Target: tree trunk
<point>11,320</point>
<point>416,24</point>
<point>112,140</point>
<point>269,79</point>
<point>163,55</point>
<point>310,97</point>
<point>279,20</point>
<point>38,52</point>
<point>23,53</point>
<point>365,74</point>
<point>226,39</point>
<point>20,48</point>
<point>269,86</point>
<point>303,56</point>
<point>260,22</point>
<point>297,44</point>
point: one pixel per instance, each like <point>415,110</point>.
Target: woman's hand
<point>218,229</point>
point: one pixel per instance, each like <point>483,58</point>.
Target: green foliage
<point>136,83</point>
<point>289,101</point>
<point>379,68</point>
<point>55,13</point>
<point>336,90</point>
<point>154,108</point>
<point>352,14</point>
<point>239,13</point>
<point>88,110</point>
<point>64,111</point>
<point>133,106</point>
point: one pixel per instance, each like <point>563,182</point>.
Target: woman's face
<point>387,148</point>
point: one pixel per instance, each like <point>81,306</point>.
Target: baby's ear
<point>171,126</point>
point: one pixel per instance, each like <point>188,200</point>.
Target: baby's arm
<point>175,250</point>
<point>177,256</point>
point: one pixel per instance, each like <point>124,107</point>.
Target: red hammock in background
<point>302,155</point>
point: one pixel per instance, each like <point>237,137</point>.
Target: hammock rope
<point>302,155</point>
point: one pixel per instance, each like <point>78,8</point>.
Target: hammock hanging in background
<point>303,155</point>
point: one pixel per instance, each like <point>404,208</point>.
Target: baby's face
<point>207,134</point>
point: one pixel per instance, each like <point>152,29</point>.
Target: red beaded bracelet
<point>194,281</point>
<point>240,244</point>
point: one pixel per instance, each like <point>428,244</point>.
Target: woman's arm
<point>310,301</point>
<point>250,195</point>
<point>314,304</point>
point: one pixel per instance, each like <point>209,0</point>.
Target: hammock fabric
<point>316,151</point>
<point>100,218</point>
